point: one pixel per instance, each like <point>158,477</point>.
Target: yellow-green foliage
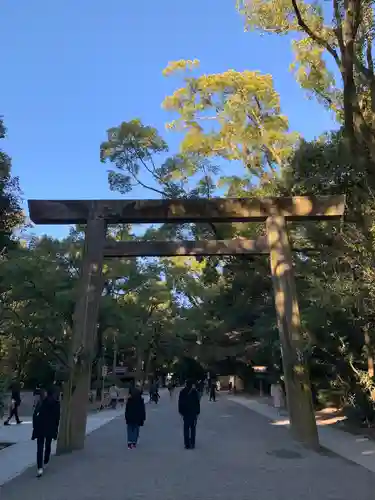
<point>309,66</point>
<point>235,115</point>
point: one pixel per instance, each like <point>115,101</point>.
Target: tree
<point>336,285</point>
<point>347,41</point>
<point>233,115</point>
<point>10,210</point>
<point>133,149</point>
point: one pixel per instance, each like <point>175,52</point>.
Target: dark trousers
<point>133,433</point>
<point>43,451</point>
<point>14,413</point>
<point>212,395</point>
<point>190,430</point>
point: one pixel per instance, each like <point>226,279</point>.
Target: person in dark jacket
<point>189,408</point>
<point>135,416</point>
<point>15,404</point>
<point>213,391</point>
<point>46,419</point>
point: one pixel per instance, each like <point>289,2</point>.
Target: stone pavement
<point>17,458</point>
<point>359,449</point>
<point>239,456</point>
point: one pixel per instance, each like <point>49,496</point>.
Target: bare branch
<point>357,17</point>
<point>314,36</point>
<point>338,29</point>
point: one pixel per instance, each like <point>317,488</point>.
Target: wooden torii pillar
<point>96,214</point>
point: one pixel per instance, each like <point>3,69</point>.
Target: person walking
<point>46,419</point>
<point>135,416</point>
<point>171,389</point>
<point>113,396</point>
<point>36,396</point>
<point>154,393</point>
<point>200,388</point>
<point>14,405</point>
<point>213,391</point>
<point>189,409</point>
<point>277,395</point>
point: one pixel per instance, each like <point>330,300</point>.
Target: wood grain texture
<point>197,210</point>
<point>185,248</point>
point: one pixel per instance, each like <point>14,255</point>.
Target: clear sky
<point>73,68</point>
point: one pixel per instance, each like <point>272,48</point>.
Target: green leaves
<point>131,148</point>
<point>233,115</point>
<point>11,215</point>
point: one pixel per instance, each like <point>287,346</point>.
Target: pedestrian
<point>135,416</point>
<point>208,387</point>
<point>200,388</point>
<point>36,396</point>
<point>230,387</point>
<point>171,389</point>
<point>213,391</point>
<point>14,405</point>
<point>154,393</point>
<point>189,409</point>
<point>113,396</point>
<point>46,419</point>
<point>277,395</point>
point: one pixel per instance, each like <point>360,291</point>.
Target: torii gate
<point>275,212</point>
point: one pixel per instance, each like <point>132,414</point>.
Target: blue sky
<point>73,68</point>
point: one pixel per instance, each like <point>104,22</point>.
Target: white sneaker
<point>39,473</point>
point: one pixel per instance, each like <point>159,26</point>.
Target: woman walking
<point>46,420</point>
<point>14,405</point>
<point>135,416</point>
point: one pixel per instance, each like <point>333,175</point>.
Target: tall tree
<point>10,210</point>
<point>233,115</point>
<point>347,84</point>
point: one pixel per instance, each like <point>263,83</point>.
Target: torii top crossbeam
<point>186,210</point>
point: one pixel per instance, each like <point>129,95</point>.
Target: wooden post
<point>297,383</point>
<point>74,415</point>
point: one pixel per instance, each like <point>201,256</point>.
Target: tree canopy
<point>195,314</point>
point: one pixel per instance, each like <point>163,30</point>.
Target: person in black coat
<point>46,419</point>
<point>189,408</point>
<point>135,416</point>
<point>15,404</point>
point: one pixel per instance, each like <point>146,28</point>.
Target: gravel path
<point>239,456</point>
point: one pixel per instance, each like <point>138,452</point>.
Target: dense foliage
<point>159,315</point>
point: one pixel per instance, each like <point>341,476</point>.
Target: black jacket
<point>46,419</point>
<point>16,396</point>
<point>189,403</point>
<point>135,412</point>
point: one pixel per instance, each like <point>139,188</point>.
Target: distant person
<point>189,409</point>
<point>36,395</point>
<point>230,386</point>
<point>213,391</point>
<point>14,405</point>
<point>277,395</point>
<point>113,396</point>
<point>46,419</point>
<point>135,416</point>
<point>154,393</point>
<point>200,388</point>
<point>171,388</point>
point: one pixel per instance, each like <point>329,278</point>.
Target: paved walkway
<point>17,458</point>
<point>359,449</point>
<point>239,456</point>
